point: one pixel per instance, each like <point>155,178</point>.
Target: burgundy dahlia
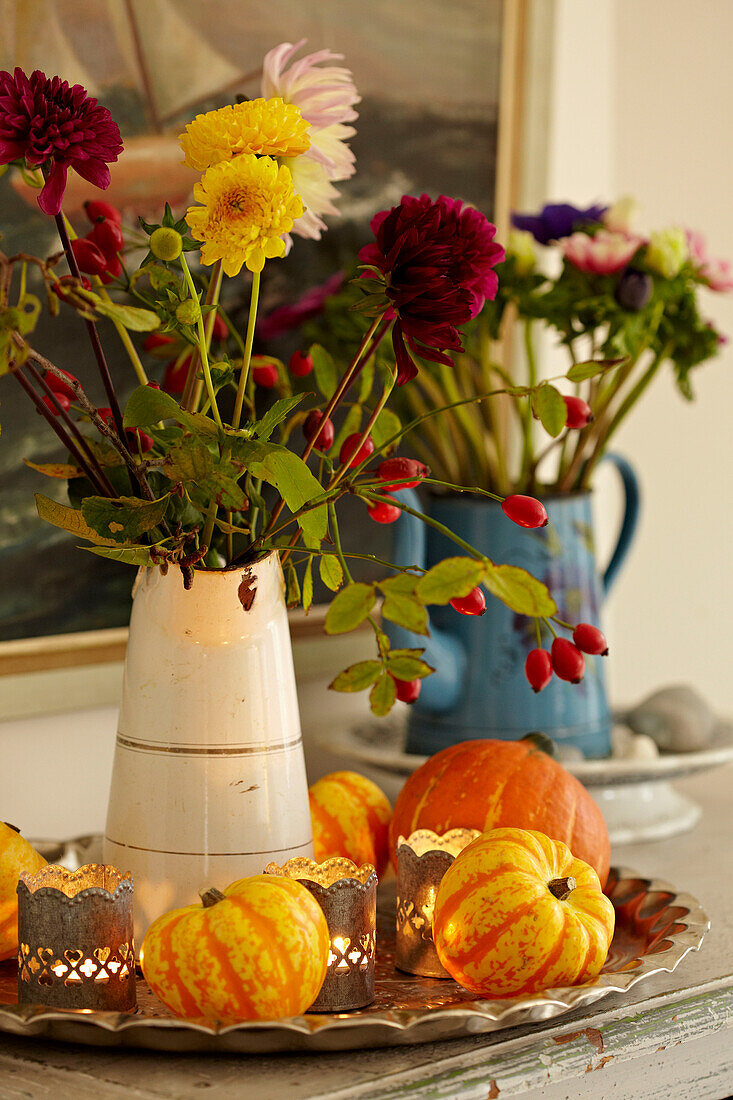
<point>437,259</point>
<point>55,127</point>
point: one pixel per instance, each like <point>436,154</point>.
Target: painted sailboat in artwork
<point>155,50</point>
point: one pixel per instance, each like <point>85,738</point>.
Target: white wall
<point>640,102</point>
<point>673,149</point>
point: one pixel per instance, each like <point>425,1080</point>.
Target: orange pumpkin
<point>350,817</point>
<point>258,951</point>
<point>488,784</point>
<point>16,856</point>
<point>516,913</point>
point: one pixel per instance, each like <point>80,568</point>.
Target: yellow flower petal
<point>263,126</point>
<point>248,204</point>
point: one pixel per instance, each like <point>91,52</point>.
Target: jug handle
<point>440,691</point>
<point>632,507</point>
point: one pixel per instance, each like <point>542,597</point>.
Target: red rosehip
<point>300,364</point>
<point>579,412</point>
<point>407,690</point>
<point>567,660</point>
<point>61,398</point>
<point>107,236</point>
<point>382,512</point>
<point>472,604</point>
<point>90,258</point>
<point>400,470</point>
<point>98,208</point>
<point>113,270</point>
<point>265,376</point>
<point>106,414</point>
<point>58,386</point>
<point>590,639</point>
<point>220,330</point>
<point>525,511</point>
<point>176,376</point>
<point>319,431</point>
<point>538,669</point>
<point>153,385</point>
<point>349,456</point>
<point>158,340</point>
<point>139,441</point>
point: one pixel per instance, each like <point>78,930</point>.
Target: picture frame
<point>89,661</point>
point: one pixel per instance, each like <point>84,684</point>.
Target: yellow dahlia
<point>265,126</point>
<point>247,204</point>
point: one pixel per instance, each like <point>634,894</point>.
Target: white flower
<point>325,95</point>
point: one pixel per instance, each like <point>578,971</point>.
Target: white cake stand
<point>636,796</point>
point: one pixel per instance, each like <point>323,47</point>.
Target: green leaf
<point>350,607</point>
<point>590,368</point>
<point>450,578</point>
<point>519,590</point>
<point>382,696</point>
<point>387,425</point>
<point>128,555</point>
<point>130,317</point>
<point>308,585</point>
<point>293,594</point>
<point>400,583</point>
<point>162,276</point>
<point>549,408</point>
<point>147,406</point>
<point>408,668</point>
<point>275,415</point>
<point>324,369</point>
<point>366,381</point>
<point>293,480</point>
<point>56,469</point>
<point>331,572</point>
<point>104,452</point>
<point>69,519</point>
<point>357,677</point>
<point>406,611</point>
<point>123,519</point>
<point>190,460</point>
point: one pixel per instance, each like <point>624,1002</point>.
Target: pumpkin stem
<point>13,827</point>
<point>561,888</point>
<point>210,897</point>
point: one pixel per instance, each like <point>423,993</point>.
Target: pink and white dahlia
<point>602,254</point>
<point>325,95</point>
<point>716,274</point>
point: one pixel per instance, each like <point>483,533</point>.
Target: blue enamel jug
<point>479,688</point>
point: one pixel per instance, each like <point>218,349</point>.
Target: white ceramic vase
<point>208,782</point>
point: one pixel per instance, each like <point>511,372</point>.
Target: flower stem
<point>203,351</point>
<point>247,358</point>
<point>192,390</point>
<point>92,330</point>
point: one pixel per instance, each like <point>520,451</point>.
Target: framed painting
<point>441,88</point>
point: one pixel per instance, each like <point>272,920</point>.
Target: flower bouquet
<point>228,498</point>
<point>199,483</point>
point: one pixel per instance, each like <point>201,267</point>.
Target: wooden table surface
<point>670,1037</point>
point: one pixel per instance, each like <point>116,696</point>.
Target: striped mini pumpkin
<point>16,856</point>
<point>258,952</point>
<point>490,784</point>
<point>516,913</point>
<point>350,817</point>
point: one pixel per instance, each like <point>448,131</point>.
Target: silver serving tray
<point>656,926</point>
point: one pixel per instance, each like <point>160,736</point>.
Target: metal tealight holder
<point>422,860</point>
<point>347,894</point>
<point>75,939</point>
